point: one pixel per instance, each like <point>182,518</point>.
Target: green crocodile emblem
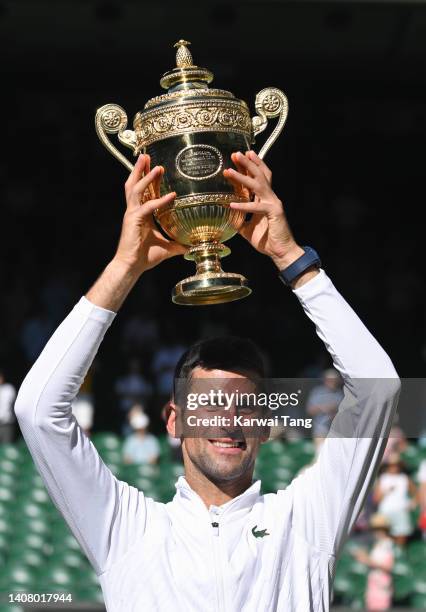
<point>259,534</point>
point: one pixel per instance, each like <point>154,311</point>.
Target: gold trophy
<point>192,131</point>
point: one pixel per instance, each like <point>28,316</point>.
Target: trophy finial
<point>183,55</point>
<point>185,74</point>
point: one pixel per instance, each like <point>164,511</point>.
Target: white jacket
<point>167,557</point>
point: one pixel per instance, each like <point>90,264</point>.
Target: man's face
<point>332,382</point>
<point>228,454</point>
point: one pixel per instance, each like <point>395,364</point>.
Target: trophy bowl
<point>192,131</point>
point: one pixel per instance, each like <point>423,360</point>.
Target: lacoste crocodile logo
<point>261,533</point>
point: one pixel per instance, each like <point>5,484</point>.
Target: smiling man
<point>219,545</point>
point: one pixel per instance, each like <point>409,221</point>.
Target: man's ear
<point>171,417</point>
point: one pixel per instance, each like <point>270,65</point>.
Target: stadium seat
<point>7,481</point>
<point>65,542</point>
<point>27,510</point>
<point>412,457</point>
<point>419,581</point>
<point>11,452</point>
<point>417,552</point>
<point>36,495</point>
<point>4,543</point>
<point>418,601</point>
<point>113,457</point>
<point>85,577</point>
<point>54,578</point>
<point>16,575</point>
<point>6,526</point>
<point>70,558</point>
<point>25,539</point>
<point>6,495</point>
<point>106,441</point>
<point>403,585</point>
<point>27,556</point>
<point>89,595</point>
<point>38,526</point>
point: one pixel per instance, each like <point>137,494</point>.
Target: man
<point>322,405</point>
<point>219,545</point>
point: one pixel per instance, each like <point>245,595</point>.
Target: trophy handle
<point>112,119</point>
<point>270,102</point>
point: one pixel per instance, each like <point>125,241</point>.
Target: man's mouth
<point>228,446</point>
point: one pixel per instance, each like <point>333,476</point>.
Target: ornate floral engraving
<point>196,116</point>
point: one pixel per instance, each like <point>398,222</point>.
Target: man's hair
<point>228,353</point>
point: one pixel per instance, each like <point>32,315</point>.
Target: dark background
<point>349,166</point>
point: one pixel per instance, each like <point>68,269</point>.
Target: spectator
<point>397,441</point>
<point>7,418</point>
<point>141,446</point>
<point>421,477</point>
<point>323,402</point>
<point>379,560</point>
<point>395,496</point>
<point>132,388</point>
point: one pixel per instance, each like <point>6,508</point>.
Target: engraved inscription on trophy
<point>199,162</point>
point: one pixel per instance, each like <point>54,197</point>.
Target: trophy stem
<point>210,284</point>
<point>207,263</point>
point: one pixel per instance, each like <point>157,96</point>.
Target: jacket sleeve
<point>104,513</point>
<point>328,496</point>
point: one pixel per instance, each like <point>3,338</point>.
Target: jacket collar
<point>187,499</point>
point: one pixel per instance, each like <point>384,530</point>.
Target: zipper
<point>220,596</point>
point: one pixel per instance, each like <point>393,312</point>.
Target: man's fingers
<point>245,162</point>
<point>137,192</point>
<point>137,173</point>
<point>175,248</point>
<point>239,179</point>
<point>238,165</point>
<point>240,190</point>
<point>250,207</point>
<point>149,207</point>
<point>157,182</point>
<point>260,164</point>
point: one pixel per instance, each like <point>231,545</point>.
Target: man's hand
<point>268,230</point>
<point>141,245</point>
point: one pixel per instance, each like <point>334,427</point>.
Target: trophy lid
<point>186,75</point>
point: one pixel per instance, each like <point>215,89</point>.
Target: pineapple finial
<point>183,55</point>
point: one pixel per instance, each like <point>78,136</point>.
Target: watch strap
<point>307,260</point>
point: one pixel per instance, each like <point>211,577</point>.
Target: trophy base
<point>211,288</point>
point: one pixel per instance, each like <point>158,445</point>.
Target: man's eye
<point>246,409</point>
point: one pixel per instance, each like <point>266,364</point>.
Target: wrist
<point>126,269</point>
<point>284,260</point>
<point>299,266</point>
<point>113,286</point>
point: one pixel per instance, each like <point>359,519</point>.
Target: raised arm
<point>328,496</point>
<point>105,515</point>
